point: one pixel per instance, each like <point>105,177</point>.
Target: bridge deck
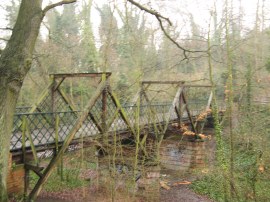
<point>43,133</point>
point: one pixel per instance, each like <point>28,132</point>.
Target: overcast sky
<point>178,11</point>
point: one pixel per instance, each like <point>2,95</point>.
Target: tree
<point>108,32</point>
<point>15,62</point>
<point>89,57</point>
<point>12,12</point>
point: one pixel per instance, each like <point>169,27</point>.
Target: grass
<point>54,184</point>
<point>71,175</point>
<point>251,152</point>
<point>211,186</point>
<point>250,183</point>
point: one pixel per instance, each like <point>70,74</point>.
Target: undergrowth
<point>71,175</point>
<point>251,164</point>
<point>55,183</point>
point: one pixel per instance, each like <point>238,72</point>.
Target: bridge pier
<point>16,177</point>
<point>184,153</point>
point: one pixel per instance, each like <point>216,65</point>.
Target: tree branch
<point>6,28</point>
<point>151,11</point>
<point>3,39</point>
<point>51,6</point>
<point>160,18</point>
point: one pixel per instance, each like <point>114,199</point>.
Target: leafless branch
<point>3,39</point>
<point>48,28</point>
<point>153,12</point>
<point>6,28</point>
<point>160,17</point>
<point>51,6</point>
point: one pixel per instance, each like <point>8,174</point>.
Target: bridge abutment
<point>186,154</point>
<point>15,179</point>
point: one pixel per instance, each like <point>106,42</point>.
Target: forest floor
<point>176,191</point>
<point>180,193</point>
<point>175,186</point>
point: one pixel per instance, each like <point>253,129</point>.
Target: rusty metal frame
<point>182,101</point>
<point>143,93</point>
<point>96,74</point>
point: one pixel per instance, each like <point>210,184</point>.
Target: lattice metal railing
<point>42,126</point>
<point>105,116</point>
<point>22,109</point>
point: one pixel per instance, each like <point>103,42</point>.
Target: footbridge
<point>54,124</point>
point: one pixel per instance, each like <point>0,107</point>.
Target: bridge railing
<point>41,127</point>
<point>47,128</point>
<point>22,109</point>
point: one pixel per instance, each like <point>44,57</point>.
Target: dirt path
<point>178,193</point>
<point>177,183</point>
<point>182,194</point>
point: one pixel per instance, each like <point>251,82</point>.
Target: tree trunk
<point>15,62</point>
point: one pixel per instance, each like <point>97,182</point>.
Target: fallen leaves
<point>184,129</point>
<point>181,183</point>
<point>205,171</point>
<point>203,137</point>
<point>165,185</point>
<point>261,168</point>
<point>189,133</point>
<point>203,115</point>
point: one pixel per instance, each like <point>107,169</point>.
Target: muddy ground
<point>175,188</point>
<point>180,193</point>
<point>176,192</point>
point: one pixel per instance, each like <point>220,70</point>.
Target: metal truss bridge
<point>54,122</point>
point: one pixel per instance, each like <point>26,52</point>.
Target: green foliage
<point>267,65</point>
<point>251,176</point>
<point>89,55</point>
<point>108,29</point>
<point>123,87</point>
<point>210,185</point>
<point>249,183</point>
<point>71,180</point>
<point>71,174</point>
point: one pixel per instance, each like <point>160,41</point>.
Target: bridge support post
<point>26,176</point>
<point>189,114</point>
<point>104,116</point>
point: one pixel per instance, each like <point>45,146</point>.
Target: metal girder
<point>65,75</point>
<point>162,82</point>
